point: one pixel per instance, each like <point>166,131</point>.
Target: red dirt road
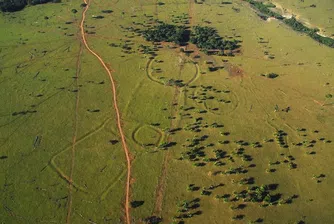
<point>118,116</point>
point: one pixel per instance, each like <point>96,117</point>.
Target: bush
<point>271,75</point>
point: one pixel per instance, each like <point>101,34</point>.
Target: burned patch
<point>234,70</point>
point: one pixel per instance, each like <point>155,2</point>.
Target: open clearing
<point>98,125</point>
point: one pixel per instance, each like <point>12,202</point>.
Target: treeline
<point>206,38</point>
<point>265,9</point>
<point>292,22</point>
<point>298,26</point>
<point>16,5</point>
<point>168,33</point>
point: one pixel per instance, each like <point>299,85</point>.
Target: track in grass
<point>160,190</point>
<point>74,139</point>
<point>118,116</point>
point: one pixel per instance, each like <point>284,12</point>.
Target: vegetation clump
<point>186,209</point>
<point>329,96</point>
<point>207,38</point>
<point>17,5</point>
<point>279,135</point>
<point>298,26</point>
<point>270,75</point>
<point>260,194</point>
<point>152,220</point>
<point>265,9</point>
<point>11,6</point>
<point>107,11</point>
<point>166,32</point>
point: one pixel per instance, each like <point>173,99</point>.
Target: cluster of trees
<point>323,40</point>
<point>265,9</point>
<point>12,5</point>
<point>166,32</point>
<point>207,38</point>
<point>298,26</point>
<point>173,82</point>
<point>279,135</point>
<point>16,5</point>
<point>185,209</point>
<point>152,220</point>
<point>261,194</point>
<point>255,194</point>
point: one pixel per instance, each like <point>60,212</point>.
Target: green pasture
<point>223,113</point>
<point>317,13</point>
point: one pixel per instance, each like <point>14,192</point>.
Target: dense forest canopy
<point>16,5</point>
<point>166,32</point>
<point>207,38</point>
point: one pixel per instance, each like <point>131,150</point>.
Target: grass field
<point>318,14</point>
<point>59,140</point>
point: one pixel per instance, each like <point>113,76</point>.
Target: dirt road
<point>118,115</point>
